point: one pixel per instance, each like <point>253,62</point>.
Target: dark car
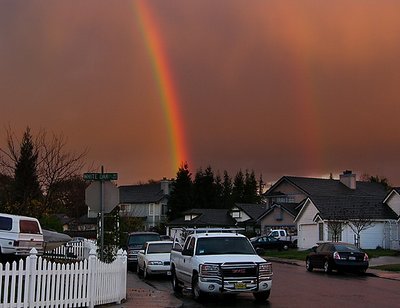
<point>337,256</point>
<point>135,243</point>
<point>270,242</point>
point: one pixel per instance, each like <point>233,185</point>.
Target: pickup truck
<point>283,235</point>
<point>215,263</point>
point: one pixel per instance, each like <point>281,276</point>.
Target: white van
<point>19,234</point>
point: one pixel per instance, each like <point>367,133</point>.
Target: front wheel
<point>262,296</point>
<point>309,266</point>
<point>197,294</point>
<point>327,267</point>
<point>175,282</point>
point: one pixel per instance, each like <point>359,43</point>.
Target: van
<point>135,243</point>
<point>19,234</point>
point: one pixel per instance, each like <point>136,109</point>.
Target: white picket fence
<point>37,282</point>
<point>72,250</point>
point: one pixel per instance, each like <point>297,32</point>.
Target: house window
<point>152,209</point>
<point>278,214</point>
<point>236,214</point>
<point>190,217</point>
<point>321,231</point>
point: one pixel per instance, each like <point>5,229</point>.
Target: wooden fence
<point>37,282</point>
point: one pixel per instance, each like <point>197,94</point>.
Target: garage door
<point>308,236</point>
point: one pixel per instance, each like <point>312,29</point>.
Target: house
<point>279,216</point>
<point>247,216</point>
<point>320,204</point>
<point>201,218</point>
<point>147,201</point>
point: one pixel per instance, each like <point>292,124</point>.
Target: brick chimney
<point>348,178</point>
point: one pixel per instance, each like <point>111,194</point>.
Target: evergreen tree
<point>238,188</point>
<point>250,194</point>
<point>219,192</point>
<point>204,189</point>
<point>27,193</point>
<point>227,191</point>
<point>181,195</point>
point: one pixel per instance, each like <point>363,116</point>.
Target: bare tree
<point>55,164</point>
<point>360,220</point>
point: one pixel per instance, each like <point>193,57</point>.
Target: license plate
<point>240,285</point>
<point>352,258</point>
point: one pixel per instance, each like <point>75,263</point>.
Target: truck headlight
<point>209,269</point>
<point>265,268</point>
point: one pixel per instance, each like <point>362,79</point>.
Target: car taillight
<point>336,255</point>
<point>366,257</point>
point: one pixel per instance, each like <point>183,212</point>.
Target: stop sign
<point>93,197</point>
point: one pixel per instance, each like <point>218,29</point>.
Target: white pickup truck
<point>283,235</point>
<point>219,263</point>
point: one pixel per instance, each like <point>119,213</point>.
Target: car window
<point>320,248</point>
<point>5,223</point>
<point>347,248</point>
<point>29,226</point>
<point>159,248</point>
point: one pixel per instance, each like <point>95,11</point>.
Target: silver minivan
<point>19,234</point>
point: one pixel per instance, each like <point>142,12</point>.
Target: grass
<point>388,267</point>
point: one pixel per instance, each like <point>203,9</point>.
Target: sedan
<point>270,242</point>
<point>337,256</point>
<point>154,258</point>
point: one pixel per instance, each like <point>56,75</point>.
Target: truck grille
<point>239,270</point>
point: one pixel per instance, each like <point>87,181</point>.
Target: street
<point>293,286</point>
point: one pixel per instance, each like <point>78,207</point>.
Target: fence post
<point>92,277</point>
<point>124,272</point>
<point>31,267</point>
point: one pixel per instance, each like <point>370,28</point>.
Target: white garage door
<point>308,236</point>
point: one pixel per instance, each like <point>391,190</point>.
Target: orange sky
<point>302,88</point>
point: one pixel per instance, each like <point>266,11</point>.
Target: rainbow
<point>165,83</point>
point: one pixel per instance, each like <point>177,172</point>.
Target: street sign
<point>93,195</point>
<point>93,176</point>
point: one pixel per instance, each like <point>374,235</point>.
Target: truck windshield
<point>224,245</point>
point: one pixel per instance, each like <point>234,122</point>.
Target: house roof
<point>206,217</point>
<point>292,208</point>
<point>254,211</point>
<point>352,207</point>
<point>145,193</point>
<point>330,187</point>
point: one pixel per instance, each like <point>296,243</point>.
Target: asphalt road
<point>293,286</point>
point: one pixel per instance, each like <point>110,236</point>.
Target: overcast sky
<point>303,88</point>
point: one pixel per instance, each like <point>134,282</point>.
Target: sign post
<point>92,199</point>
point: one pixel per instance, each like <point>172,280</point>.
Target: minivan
<point>19,234</point>
<point>135,243</point>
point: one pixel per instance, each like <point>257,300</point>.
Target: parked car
<point>154,258</point>
<point>337,256</point>
<point>270,242</point>
<point>135,243</point>
<point>19,234</point>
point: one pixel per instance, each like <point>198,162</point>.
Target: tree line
<point>210,190</point>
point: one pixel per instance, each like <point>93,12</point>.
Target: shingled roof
<point>352,207</point>
<point>331,187</point>
<point>254,211</point>
<point>146,193</point>
<point>205,218</point>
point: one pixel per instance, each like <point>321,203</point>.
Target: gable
<point>393,201</point>
<point>307,213</point>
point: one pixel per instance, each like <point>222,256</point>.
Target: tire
<point>197,294</point>
<point>145,273</point>
<point>138,270</point>
<point>175,282</point>
<point>262,296</point>
<point>327,267</point>
<point>309,266</point>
